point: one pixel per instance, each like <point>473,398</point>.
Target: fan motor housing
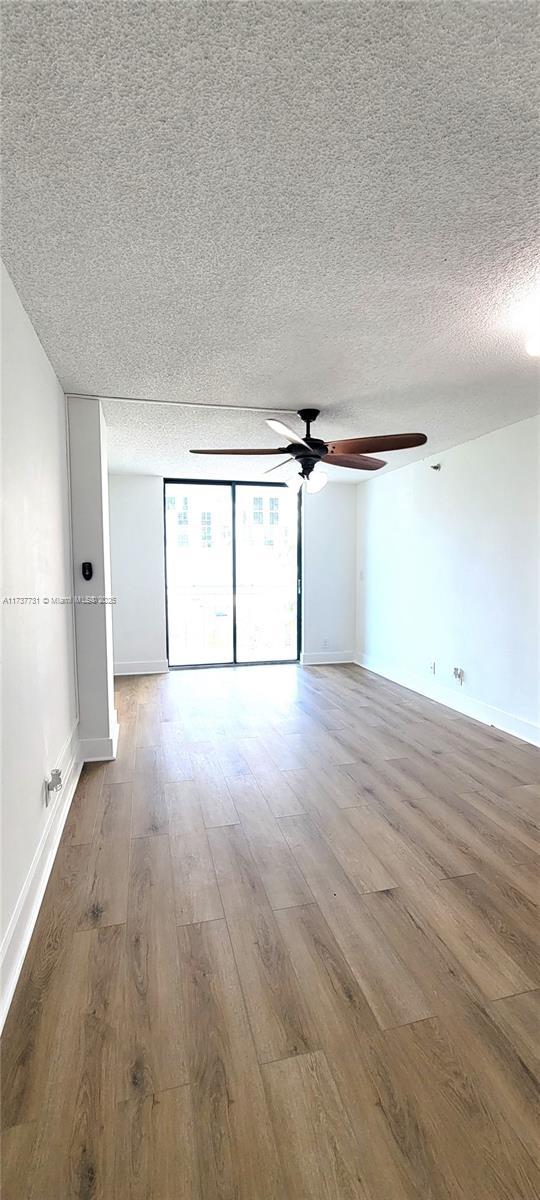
<point>307,458</point>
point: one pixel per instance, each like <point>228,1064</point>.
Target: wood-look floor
<point>288,951</point>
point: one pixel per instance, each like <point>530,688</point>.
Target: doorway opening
<point>233,572</point>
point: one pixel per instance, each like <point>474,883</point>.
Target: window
<point>258,514</point>
<point>274,510</point>
<point>206,529</point>
<point>183,515</point>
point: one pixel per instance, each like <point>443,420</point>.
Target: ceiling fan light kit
<point>308,452</point>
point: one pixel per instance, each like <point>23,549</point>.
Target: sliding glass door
<point>198,538</point>
<point>232,560</point>
<point>266,573</point>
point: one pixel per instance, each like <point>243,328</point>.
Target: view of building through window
<point>201,559</point>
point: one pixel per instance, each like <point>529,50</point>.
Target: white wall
<point>39,709</point>
<point>329,574</point>
<point>138,574</point>
<point>138,577</point>
<point>98,725</point>
<point>450,566</point>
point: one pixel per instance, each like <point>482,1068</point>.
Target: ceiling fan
<point>308,451</point>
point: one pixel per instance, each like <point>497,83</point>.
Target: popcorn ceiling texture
<point>275,204</point>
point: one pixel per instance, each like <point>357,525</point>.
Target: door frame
<point>233,484</point>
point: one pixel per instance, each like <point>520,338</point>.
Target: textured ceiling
<point>275,204</point>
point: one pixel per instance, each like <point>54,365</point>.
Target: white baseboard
<point>100,749</point>
<point>19,931</point>
<point>326,656</point>
<point>459,701</point>
<point>158,666</point>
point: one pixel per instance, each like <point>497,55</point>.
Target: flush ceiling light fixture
<point>307,452</point>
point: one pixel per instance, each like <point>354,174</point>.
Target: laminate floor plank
<point>455,992</point>
<point>464,835</point>
<point>319,1151</point>
<point>73,1149</point>
<point>506,844</point>
<point>153,1038</point>
<point>277,791</point>
<point>434,777</point>
<point>495,773</point>
<point>341,789</point>
<point>515,927</point>
<point>85,806</point>
<point>519,804</point>
<point>150,813</point>
<point>330,715</point>
<point>283,882</point>
<point>126,693</point>
<point>229,757</point>
<point>276,1011</point>
<point>195,885</point>
<point>466,752</point>
<point>377,776</point>
<point>156,1156</point>
<point>404,860</point>
<point>532,790</point>
<point>216,803</point>
<point>105,902</point>
<point>256,755</point>
<point>36,1010</point>
<point>442,1121</point>
<point>237,1154</point>
<point>513,825</point>
<point>288,751</point>
<point>392,993</point>
<point>328,749</point>
<point>16,1145</point>
<point>509,1082</point>
<point>175,764</point>
<point>148,724</point>
<point>493,958</point>
<point>397,915</point>
<point>366,871</point>
<point>346,1025</point>
<point>519,1018</point>
<point>404,816</point>
<point>122,769</point>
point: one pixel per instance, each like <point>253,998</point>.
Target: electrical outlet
<point>325,644</point>
<point>459,673</point>
<point>432,668</point>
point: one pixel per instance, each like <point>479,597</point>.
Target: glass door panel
<point>266,529</point>
<point>199,559</point>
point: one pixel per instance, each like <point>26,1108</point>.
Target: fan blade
<point>358,462</point>
<point>281,450</point>
<point>278,465</point>
<point>279,427</point>
<point>390,441</point>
